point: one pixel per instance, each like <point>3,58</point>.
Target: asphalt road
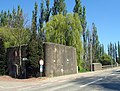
<point>102,81</point>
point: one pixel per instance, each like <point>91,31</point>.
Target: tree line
<point>54,24</point>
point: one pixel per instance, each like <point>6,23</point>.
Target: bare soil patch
<point>8,78</point>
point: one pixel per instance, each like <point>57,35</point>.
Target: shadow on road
<point>106,84</point>
<point>111,86</point>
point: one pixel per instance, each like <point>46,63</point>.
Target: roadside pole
<point>41,62</point>
<point>91,54</point>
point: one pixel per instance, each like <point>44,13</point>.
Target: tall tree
<point>101,50</point>
<point>62,7</point>
<point>3,18</point>
<point>9,18</point>
<point>78,8</point>
<point>47,10</point>
<point>33,53</point>
<point>59,7</point>
<point>115,52</point>
<point>111,52</point>
<point>84,24</point>
<point>42,18</point>
<point>88,49</point>
<point>55,8</point>
<point>108,46</point>
<point>118,52</point>
<point>82,17</point>
<point>35,18</point>
<point>95,43</point>
<point>111,49</point>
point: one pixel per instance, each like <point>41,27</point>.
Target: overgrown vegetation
<point>2,58</point>
<point>66,30</point>
<point>58,26</point>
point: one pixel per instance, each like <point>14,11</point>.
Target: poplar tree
<point>40,29</point>
<point>95,43</point>
<point>108,49</point>
<point>111,48</point>
<point>3,18</point>
<point>115,52</point>
<point>55,8</point>
<point>101,50</point>
<point>62,7</point>
<point>41,19</point>
<point>78,8</point>
<point>88,49</point>
<point>33,53</point>
<point>82,17</point>
<point>47,10</point>
<point>84,24</point>
<point>59,7</point>
<point>118,52</point>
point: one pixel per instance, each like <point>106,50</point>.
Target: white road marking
<point>112,74</point>
<point>91,83</point>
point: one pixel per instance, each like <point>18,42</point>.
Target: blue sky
<point>104,13</point>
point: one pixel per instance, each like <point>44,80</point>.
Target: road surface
<point>96,81</point>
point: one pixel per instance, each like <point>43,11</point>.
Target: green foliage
<point>106,60</point>
<point>82,17</point>
<point>35,45</point>
<point>59,7</point>
<point>118,52</point>
<point>2,58</point>
<point>78,8</point>
<point>47,11</point>
<point>40,46</point>
<point>114,52</point>
<point>12,19</point>
<point>12,37</point>
<point>32,50</point>
<point>61,28</point>
<point>95,44</point>
<point>33,56</point>
<point>12,28</point>
<point>84,24</point>
<point>66,30</point>
<point>43,17</point>
<point>87,49</point>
